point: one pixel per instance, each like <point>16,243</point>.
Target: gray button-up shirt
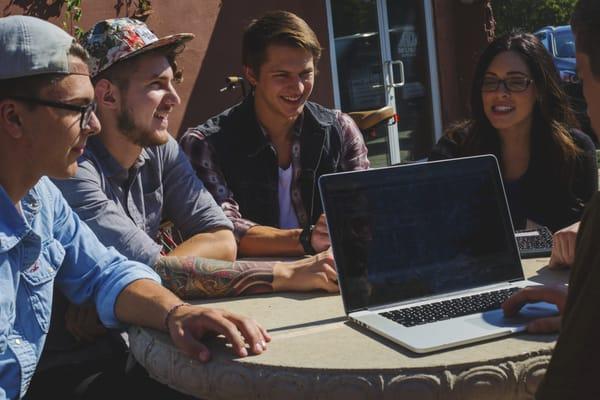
<point>125,207</point>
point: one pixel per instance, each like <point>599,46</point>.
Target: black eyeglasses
<point>86,111</point>
<point>513,84</point>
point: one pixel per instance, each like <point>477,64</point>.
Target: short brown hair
<point>119,72</point>
<point>281,28</point>
<point>586,26</point>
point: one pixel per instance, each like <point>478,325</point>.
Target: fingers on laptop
<point>552,294</point>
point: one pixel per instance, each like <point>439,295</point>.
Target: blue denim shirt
<point>45,245</point>
<point>125,207</point>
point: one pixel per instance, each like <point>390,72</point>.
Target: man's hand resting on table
<point>315,272</point>
<point>552,294</point>
<point>189,324</point>
<point>563,246</point>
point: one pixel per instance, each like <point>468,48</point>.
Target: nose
<point>297,83</point>
<point>172,97</point>
<point>503,89</point>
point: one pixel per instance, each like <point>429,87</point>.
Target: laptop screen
<point>419,230</point>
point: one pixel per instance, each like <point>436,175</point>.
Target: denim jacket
<point>47,244</point>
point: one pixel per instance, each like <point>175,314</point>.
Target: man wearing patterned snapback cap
<point>46,117</point>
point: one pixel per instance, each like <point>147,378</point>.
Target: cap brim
<point>179,38</point>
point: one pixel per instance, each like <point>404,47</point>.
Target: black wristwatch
<point>305,239</point>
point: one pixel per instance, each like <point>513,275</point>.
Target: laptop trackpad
<point>528,313</point>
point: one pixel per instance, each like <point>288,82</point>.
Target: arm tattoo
<point>197,277</point>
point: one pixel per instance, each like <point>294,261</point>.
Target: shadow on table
<point>551,276</point>
<point>298,296</point>
<point>308,324</point>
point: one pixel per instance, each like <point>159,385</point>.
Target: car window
<point>565,44</point>
<point>545,39</point>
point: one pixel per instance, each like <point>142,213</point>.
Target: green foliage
<point>72,18</point>
<point>530,15</point>
<point>143,9</point>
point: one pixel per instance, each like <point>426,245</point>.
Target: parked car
<point>560,43</point>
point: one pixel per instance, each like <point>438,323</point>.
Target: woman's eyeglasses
<point>86,111</point>
<point>513,84</point>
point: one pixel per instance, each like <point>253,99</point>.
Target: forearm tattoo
<point>197,277</point>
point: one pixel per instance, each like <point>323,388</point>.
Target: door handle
<point>390,64</point>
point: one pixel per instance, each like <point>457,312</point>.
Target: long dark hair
<point>552,114</point>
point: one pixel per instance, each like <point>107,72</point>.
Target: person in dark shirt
<point>574,367</point>
<point>521,115</point>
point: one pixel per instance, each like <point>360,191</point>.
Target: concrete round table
<point>316,354</point>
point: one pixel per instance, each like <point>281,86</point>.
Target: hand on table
<point>320,235</point>
<point>563,246</point>
<point>315,272</point>
<point>552,294</point>
<point>189,324</point>
<point>83,323</point>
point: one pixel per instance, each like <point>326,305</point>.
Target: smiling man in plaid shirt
<point>262,158</point>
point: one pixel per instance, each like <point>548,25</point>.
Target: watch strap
<point>305,237</point>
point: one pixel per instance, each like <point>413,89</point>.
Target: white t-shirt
<point>287,214</point>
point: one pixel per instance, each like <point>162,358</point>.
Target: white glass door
<point>384,54</point>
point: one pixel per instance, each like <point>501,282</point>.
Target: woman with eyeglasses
<point>520,114</point>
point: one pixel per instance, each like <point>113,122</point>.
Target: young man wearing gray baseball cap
<point>46,117</point>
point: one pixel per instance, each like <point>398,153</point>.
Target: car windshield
<point>565,44</point>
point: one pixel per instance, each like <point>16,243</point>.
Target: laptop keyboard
<point>534,242</point>
<point>447,309</point>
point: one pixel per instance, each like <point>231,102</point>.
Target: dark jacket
<point>249,162</point>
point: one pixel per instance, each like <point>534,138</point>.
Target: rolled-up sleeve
<point>90,271</point>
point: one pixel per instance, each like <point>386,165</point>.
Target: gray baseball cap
<point>31,46</point>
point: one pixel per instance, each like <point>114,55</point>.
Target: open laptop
<point>426,253</point>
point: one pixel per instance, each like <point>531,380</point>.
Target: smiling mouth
<point>502,109</point>
<point>292,99</point>
<point>163,116</point>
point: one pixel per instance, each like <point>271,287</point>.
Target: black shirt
<point>537,195</point>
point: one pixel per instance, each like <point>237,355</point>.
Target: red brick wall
<point>218,26</point>
<point>462,32</point>
<point>212,55</point>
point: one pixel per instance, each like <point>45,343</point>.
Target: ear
<point>10,118</point>
<point>107,94</point>
<point>250,75</point>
